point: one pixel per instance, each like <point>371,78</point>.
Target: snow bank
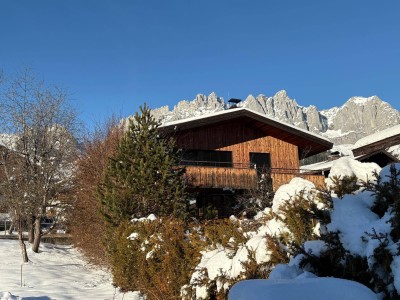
<point>287,192</point>
<point>300,289</point>
<point>353,218</point>
<point>7,296</point>
<point>385,172</point>
<point>346,166</point>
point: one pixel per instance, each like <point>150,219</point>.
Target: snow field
<point>56,272</point>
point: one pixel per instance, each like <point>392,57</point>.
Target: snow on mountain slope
<point>355,119</point>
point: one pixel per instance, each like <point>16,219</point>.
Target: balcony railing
<point>211,174</point>
<point>220,164</point>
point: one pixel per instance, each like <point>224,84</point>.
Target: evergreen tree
<point>143,177</point>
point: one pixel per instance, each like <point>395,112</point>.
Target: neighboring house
<point>372,148</point>
<point>229,150</point>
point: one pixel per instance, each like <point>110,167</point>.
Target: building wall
<point>241,140</point>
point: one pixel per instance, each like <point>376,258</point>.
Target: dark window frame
<point>207,158</point>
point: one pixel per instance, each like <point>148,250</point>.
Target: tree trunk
<point>37,235</point>
<point>31,229</point>
<point>12,226</point>
<point>21,243</point>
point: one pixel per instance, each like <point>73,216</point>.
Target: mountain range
<point>355,119</point>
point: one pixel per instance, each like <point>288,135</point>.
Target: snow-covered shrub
<point>362,239</point>
<point>250,248</point>
<point>299,209</point>
<point>155,257</point>
<point>228,255</point>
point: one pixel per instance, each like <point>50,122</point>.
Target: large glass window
<point>211,158</point>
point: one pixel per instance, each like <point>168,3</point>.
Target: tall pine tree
<point>144,176</point>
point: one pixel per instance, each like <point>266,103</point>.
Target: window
<point>207,158</point>
<point>262,161</point>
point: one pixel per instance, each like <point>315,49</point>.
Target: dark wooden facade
<point>243,132</point>
<point>377,146</point>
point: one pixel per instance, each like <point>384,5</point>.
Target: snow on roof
<point>320,166</point>
<point>378,136</point>
<point>243,109</point>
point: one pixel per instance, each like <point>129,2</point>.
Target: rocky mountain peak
<point>356,118</point>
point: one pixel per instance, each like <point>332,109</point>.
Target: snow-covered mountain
<point>355,119</point>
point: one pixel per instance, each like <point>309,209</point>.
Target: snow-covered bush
<point>350,232</point>
<point>255,246</point>
<point>154,256</point>
<point>361,241</point>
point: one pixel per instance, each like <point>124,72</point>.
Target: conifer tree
<point>143,177</point>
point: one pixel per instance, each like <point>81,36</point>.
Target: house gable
<point>241,140</point>
<point>307,143</point>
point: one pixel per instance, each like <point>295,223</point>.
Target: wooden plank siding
<point>217,177</point>
<point>241,140</point>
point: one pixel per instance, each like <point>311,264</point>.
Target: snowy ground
<point>57,272</point>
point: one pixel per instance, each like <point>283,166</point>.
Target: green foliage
<point>300,216</point>
<point>143,176</point>
<point>344,185</point>
<point>335,261</point>
<point>223,232</point>
<point>157,260</point>
<point>387,195</point>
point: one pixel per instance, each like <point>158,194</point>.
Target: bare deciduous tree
<point>38,163</point>
<point>98,148</point>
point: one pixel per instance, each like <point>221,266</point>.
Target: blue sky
<point>113,56</point>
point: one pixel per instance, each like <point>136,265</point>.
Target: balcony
<point>209,174</point>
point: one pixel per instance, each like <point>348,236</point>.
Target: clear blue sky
<point>113,56</point>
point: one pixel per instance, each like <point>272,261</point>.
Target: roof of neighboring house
<point>366,156</point>
<point>327,165</point>
<point>309,143</point>
<point>317,167</point>
<point>378,141</point>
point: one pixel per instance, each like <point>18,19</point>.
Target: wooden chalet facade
<point>227,150</point>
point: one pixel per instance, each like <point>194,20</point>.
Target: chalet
<point>228,150</point>
<point>372,148</point>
